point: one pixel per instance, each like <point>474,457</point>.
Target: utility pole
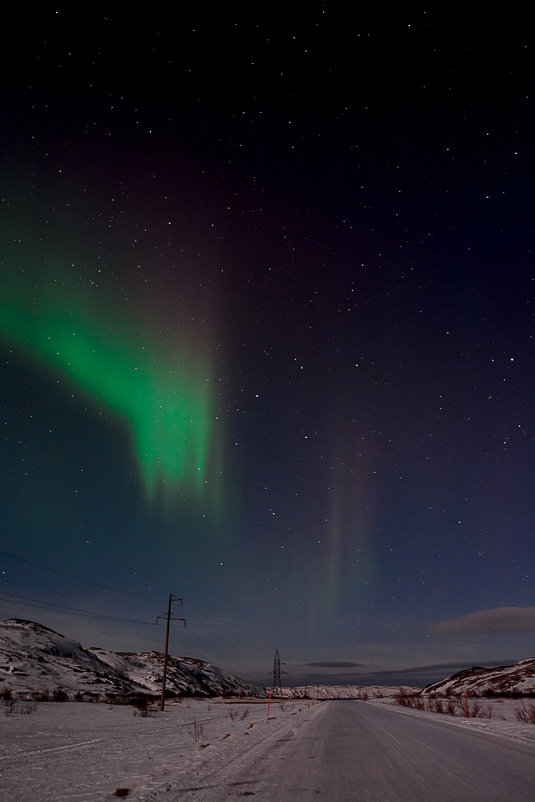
<point>169,619</point>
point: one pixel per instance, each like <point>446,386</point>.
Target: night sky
<point>267,333</point>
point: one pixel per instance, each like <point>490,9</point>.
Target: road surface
<point>350,750</point>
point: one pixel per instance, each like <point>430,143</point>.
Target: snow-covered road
<point>214,750</point>
<point>341,751</point>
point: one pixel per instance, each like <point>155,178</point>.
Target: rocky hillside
<point>35,659</point>
<point>518,679</point>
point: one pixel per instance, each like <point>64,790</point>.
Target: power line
<point>78,578</point>
<point>70,610</point>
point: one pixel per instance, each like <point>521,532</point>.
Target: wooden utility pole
<point>166,652</point>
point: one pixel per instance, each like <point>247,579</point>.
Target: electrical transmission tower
<point>277,671</point>
<point>277,684</point>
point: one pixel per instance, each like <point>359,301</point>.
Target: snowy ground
<point>212,750</point>
<point>82,752</point>
<point>502,721</point>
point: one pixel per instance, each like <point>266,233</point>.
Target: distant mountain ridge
<point>517,679</point>
<point>34,658</point>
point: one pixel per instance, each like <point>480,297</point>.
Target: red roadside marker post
<point>269,702</point>
<point>465,705</point>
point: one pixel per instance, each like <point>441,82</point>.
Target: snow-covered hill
<point>34,658</point>
<point>516,679</point>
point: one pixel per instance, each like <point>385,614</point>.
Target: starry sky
<point>267,318</point>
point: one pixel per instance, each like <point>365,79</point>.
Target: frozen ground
<point>210,750</point>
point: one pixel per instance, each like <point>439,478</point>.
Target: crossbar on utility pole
<point>169,619</point>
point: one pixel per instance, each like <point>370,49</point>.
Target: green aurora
<point>165,398</point>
